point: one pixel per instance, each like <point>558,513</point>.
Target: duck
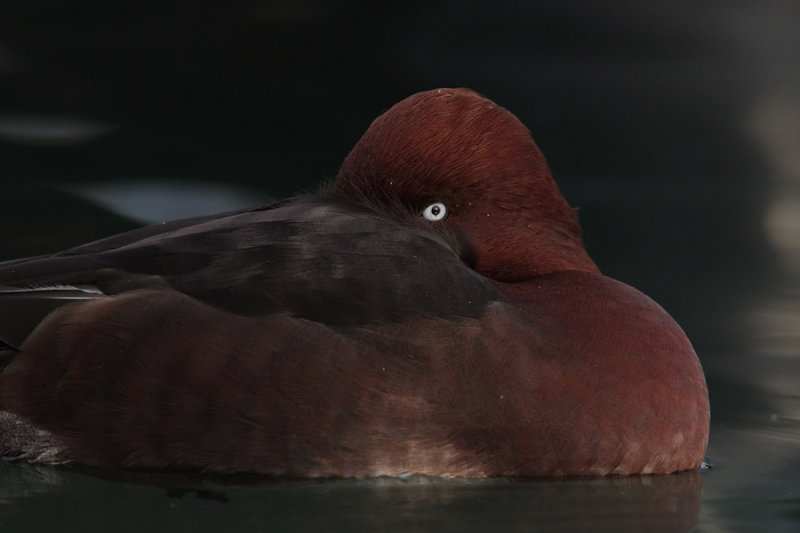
<point>432,312</point>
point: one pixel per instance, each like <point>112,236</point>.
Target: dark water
<point>675,130</point>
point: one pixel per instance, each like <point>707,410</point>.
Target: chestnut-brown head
<point>456,148</point>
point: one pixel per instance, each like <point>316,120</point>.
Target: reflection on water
<point>775,125</point>
<point>660,503</point>
<point>755,485</point>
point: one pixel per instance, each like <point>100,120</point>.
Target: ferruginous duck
<point>433,312</point>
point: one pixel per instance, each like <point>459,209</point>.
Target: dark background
<point>673,127</point>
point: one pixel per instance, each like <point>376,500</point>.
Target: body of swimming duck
<point>434,312</point>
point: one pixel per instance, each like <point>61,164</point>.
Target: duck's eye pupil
<point>435,212</point>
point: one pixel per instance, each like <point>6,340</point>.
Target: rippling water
<point>676,131</point>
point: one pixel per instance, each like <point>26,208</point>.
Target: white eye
<point>435,212</point>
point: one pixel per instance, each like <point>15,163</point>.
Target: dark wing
<point>299,339</point>
<point>318,257</point>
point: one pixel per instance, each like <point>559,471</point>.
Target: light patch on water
<point>775,125</point>
<point>782,222</point>
<point>152,201</point>
<point>43,130</point>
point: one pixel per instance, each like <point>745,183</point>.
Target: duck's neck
<point>518,258</point>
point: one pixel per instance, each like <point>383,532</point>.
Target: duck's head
<point>459,159</point>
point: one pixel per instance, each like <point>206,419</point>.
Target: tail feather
<point>23,308</point>
<point>19,440</point>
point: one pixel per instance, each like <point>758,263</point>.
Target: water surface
<point>674,129</point>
